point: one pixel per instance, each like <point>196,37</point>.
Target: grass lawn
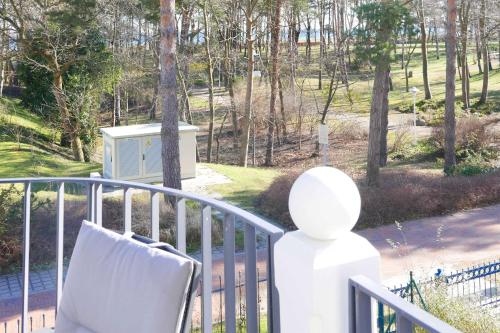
<point>361,84</point>
<point>247,183</point>
<point>35,155</point>
<point>29,161</point>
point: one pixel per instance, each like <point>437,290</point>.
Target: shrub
<point>487,108</point>
<point>458,312</point>
<point>474,143</point>
<point>273,202</point>
<point>430,111</point>
<point>11,226</point>
<point>403,195</point>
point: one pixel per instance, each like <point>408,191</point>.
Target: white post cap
<point>414,90</point>
<point>324,203</point>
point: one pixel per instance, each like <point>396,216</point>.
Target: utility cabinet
<point>134,152</point>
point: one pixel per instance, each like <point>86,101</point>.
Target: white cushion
<point>118,285</point>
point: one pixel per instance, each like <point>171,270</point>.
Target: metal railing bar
<point>98,204</point>
<point>363,311</point>
<point>206,290</point>
<point>273,305</point>
<point>221,206</point>
<point>90,201</point>
<point>155,216</point>
<point>251,278</point>
<point>406,309</point>
<point>127,209</point>
<point>403,324</point>
<point>229,272</point>
<point>60,244</point>
<point>181,228</point>
<point>26,255</point>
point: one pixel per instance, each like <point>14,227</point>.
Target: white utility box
<point>134,152</point>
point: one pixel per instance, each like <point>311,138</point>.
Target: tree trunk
<point>436,40</point>
<point>384,123</point>
<point>376,112</point>
<point>275,72</point>
<point>168,93</point>
<point>247,119</point>
<point>118,106</point>
<point>464,23</point>
<point>308,39</point>
<point>449,120</point>
<point>484,53</point>
<point>71,129</point>
<point>126,107</point>
<point>423,45</point>
<point>282,111</point>
<point>4,49</point>
<point>229,72</point>
<point>321,43</point>
<point>210,71</point>
<point>157,78</point>
<point>478,50</point>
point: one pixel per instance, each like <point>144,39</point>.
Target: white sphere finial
<point>324,203</point>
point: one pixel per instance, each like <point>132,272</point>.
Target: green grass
<point>361,84</point>
<point>247,183</point>
<point>29,161</point>
<point>35,155</point>
<point>14,114</point>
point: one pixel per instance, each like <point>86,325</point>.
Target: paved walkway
<point>450,242</point>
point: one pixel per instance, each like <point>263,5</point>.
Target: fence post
<point>314,264</point>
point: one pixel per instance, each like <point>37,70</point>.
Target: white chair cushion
<point>118,285</point>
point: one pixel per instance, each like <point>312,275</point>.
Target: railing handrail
<point>231,215</point>
<point>402,307</point>
<point>214,203</point>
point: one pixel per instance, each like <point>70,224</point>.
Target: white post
<point>313,264</point>
<point>323,141</point>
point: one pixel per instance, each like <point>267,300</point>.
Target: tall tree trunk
<point>423,45</point>
<point>117,107</point>
<point>449,117</point>
<point>308,39</point>
<point>376,112</point>
<point>210,71</point>
<point>247,119</point>
<point>384,123</point>
<point>282,110</point>
<point>436,39</point>
<point>478,50</point>
<point>168,93</point>
<point>71,129</point>
<point>464,24</point>
<point>4,49</point>
<point>157,77</point>
<point>275,72</point>
<point>229,72</point>
<point>321,43</point>
<point>484,53</point>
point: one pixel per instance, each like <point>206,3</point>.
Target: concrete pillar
<point>313,264</point>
